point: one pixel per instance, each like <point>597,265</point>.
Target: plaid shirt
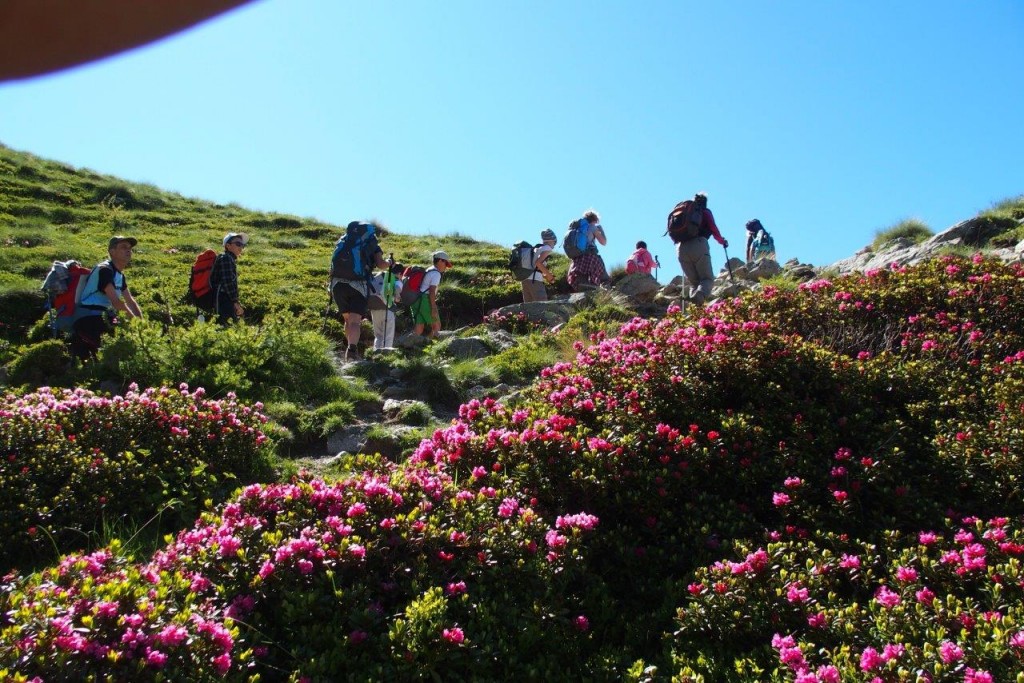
<point>224,277</point>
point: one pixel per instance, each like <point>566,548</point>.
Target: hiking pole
<point>327,311</point>
<point>389,295</point>
<point>727,264</point>
<point>657,265</point>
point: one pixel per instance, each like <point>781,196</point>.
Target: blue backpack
<point>353,255</point>
<point>575,242</point>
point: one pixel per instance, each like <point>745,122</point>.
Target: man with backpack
<point>355,256</point>
<point>759,243</point>
<point>105,292</point>
<point>534,288</point>
<point>690,224</point>
<point>587,269</point>
<point>424,308</point>
<point>224,278</point>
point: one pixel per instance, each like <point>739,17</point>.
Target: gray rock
<point>412,342</point>
<point>764,268</point>
<point>349,440</point>
<point>638,287</point>
<point>465,347</point>
<point>550,312</point>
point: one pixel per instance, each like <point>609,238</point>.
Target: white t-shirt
<point>537,253</point>
<point>431,278</point>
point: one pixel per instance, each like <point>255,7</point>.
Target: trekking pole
<point>389,295</point>
<point>728,265</point>
<point>327,311</point>
<point>657,265</point>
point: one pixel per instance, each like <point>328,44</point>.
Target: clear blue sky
<point>826,120</point>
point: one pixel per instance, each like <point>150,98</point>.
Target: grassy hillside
<point>50,211</point>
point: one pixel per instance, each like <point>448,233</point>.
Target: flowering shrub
<point>932,606</point>
<point>388,575</point>
<point>760,493</point>
<point>70,459</point>
<point>516,323</point>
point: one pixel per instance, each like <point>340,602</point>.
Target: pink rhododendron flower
<point>977,676</point>
<point>1017,640</point>
<point>581,623</point>
<point>849,561</point>
<point>906,574</point>
<point>950,652</point>
<point>925,596</point>
<point>796,593</point>
<point>870,659</point>
<point>886,597</point>
<point>780,499</point>
<point>454,635</point>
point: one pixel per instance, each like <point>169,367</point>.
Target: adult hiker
<point>387,286</point>
<point>641,261</point>
<point>587,269</point>
<point>424,309</point>
<point>759,243</point>
<point>690,224</point>
<point>104,295</point>
<point>534,288</point>
<point>224,278</point>
<point>355,256</point>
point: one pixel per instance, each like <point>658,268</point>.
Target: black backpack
<point>521,260</point>
<point>686,220</point>
<point>353,255</point>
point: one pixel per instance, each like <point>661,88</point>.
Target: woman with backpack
<point>534,288</point>
<point>387,288</point>
<point>587,269</point>
<point>641,261</point>
<point>759,243</point>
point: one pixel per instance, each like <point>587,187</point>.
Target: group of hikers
<point>363,284</point>
<point>690,226</point>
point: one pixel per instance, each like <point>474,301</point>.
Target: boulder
<point>465,347</point>
<point>348,440</point>
<point>639,287</point>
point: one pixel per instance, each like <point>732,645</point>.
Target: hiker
<point>355,255</point>
<point>759,243</point>
<point>641,261</point>
<point>533,286</point>
<point>690,224</point>
<point>587,269</point>
<point>387,286</point>
<point>424,309</point>
<point>224,278</point>
<point>105,291</point>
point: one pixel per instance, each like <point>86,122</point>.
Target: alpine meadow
<point>820,479</point>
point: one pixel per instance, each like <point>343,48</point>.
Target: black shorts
<point>349,299</point>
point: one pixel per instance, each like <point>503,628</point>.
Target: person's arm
<point>539,264</point>
<point>434,315</point>
<point>131,304</point>
<point>750,247</point>
<point>119,304</point>
<point>600,236</point>
<point>709,218</point>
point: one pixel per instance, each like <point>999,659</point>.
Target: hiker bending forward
<point>224,278</point>
<point>105,292</point>
<point>695,256</point>
<point>424,309</point>
<point>588,270</point>
<point>534,286</point>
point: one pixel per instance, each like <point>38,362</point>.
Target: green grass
<point>911,228</point>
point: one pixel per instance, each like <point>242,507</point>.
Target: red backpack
<point>200,291</point>
<point>412,280</point>
<point>68,295</point>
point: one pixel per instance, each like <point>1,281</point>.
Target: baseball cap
<point>441,256</point>
<point>117,239</point>
<point>236,235</point>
